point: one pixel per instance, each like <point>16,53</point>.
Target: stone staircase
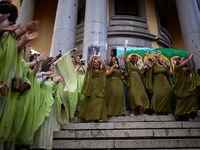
<point>129,132</point>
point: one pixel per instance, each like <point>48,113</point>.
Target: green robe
<point>10,61</point>
<point>115,97</point>
<point>76,97</point>
<point>94,105</point>
<point>69,85</point>
<point>186,90</point>
<point>40,107</point>
<point>161,88</point>
<point>135,83</point>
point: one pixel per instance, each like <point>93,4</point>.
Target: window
<point>113,52</point>
<point>126,7</point>
<point>81,15</point>
<point>162,16</point>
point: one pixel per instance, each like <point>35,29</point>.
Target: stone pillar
<point>26,12</point>
<point>65,27</point>
<point>95,27</point>
<point>189,18</point>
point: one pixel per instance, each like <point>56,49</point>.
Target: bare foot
<point>132,115</point>
<point>92,121</point>
<point>154,114</point>
<point>100,120</point>
<point>170,114</point>
<point>195,120</point>
<point>190,119</point>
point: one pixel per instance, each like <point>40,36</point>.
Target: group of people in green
<point>30,116</point>
<point>149,88</point>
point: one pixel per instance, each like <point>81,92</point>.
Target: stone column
<point>65,27</point>
<point>189,18</point>
<point>27,11</point>
<point>95,27</point>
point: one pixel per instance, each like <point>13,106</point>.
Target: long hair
<point>8,8</point>
<point>177,60</point>
<point>111,63</point>
<point>159,61</point>
<point>46,66</point>
<point>178,63</point>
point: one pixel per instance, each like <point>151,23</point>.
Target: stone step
<point>131,125</point>
<point>163,118</point>
<point>128,112</point>
<point>127,144</point>
<point>124,134</point>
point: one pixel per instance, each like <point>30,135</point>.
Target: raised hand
<point>191,56</point>
<point>51,75</point>
<point>28,37</point>
<point>9,27</point>
<point>147,53</point>
<point>32,36</point>
<point>58,79</point>
<point>74,50</point>
<point>43,56</point>
<point>93,52</point>
<point>32,25</point>
<point>99,55</point>
<point>3,17</point>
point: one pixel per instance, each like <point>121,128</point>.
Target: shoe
<point>142,114</point>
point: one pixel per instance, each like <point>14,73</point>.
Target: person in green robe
<point>186,89</point>
<point>94,106</point>
<point>135,83</point>
<point>115,96</point>
<point>77,97</point>
<point>159,85</point>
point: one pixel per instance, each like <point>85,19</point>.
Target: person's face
<point>150,62</point>
<point>96,64</point>
<point>164,62</point>
<point>134,60</point>
<point>182,60</point>
<point>52,60</point>
<point>154,60</point>
<point>77,59</point>
<point>52,67</point>
<point>120,57</point>
<point>113,60</point>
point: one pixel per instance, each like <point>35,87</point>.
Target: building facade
<point>107,23</point>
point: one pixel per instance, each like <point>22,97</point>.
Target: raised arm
<point>193,63</point>
<point>159,54</point>
<point>26,38</point>
<point>147,60</point>
<point>187,60</point>
<point>32,25</point>
<point>124,55</point>
<point>43,56</point>
<point>74,50</point>
<point>8,28</point>
<point>101,60</point>
<point>90,61</point>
